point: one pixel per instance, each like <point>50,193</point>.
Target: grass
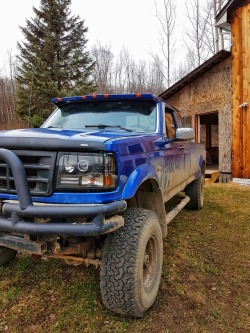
<point>205,285</point>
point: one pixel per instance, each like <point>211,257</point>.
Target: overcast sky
<point>129,23</point>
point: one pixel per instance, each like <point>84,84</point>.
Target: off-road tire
<point>195,191</point>
<point>132,264</point>
<point>6,255</point>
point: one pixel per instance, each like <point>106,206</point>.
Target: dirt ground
<point>205,285</point>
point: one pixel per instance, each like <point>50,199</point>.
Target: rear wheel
<point>195,191</point>
<point>132,263</point>
<point>6,255</point>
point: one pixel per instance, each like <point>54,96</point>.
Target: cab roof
<point>61,100</point>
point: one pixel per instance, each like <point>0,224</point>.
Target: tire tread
<point>119,264</point>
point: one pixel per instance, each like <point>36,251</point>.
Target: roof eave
<point>223,23</point>
<point>228,9</point>
<point>214,60</point>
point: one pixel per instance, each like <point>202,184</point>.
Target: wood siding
<point>240,27</point>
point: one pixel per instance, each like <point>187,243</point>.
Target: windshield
<point>132,115</point>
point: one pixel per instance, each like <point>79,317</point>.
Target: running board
<point>176,210</point>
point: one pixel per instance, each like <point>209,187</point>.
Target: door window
<point>170,125</point>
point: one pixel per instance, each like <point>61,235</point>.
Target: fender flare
<point>137,177</point>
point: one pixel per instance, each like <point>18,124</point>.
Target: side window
<point>170,125</point>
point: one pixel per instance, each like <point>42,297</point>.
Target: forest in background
<point>122,74</point>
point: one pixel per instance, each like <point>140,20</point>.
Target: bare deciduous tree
<point>211,40</point>
<point>7,96</point>
<point>196,34</point>
<point>122,74</point>
<point>156,78</point>
<point>203,38</point>
<point>167,20</point>
<point>102,72</point>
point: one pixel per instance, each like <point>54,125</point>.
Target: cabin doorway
<point>207,132</point>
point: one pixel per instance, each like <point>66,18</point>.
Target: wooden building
<point>214,98</point>
<point>237,14</point>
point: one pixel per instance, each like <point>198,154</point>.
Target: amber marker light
<point>107,180</point>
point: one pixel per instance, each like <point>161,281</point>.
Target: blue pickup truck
<point>91,186</point>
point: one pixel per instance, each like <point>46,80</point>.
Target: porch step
<point>211,177</point>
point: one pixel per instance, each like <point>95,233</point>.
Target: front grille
<point>39,168</point>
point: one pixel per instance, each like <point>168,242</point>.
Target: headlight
<point>85,171</point>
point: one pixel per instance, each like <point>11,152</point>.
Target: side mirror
<point>184,134</point>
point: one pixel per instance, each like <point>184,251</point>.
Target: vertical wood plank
<point>246,91</point>
<point>236,94</point>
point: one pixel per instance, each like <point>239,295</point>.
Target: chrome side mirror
<point>184,133</point>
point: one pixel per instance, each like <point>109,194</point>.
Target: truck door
<point>174,154</point>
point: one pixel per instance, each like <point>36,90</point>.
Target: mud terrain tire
<point>132,264</point>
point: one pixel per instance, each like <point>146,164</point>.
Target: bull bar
<point>103,216</point>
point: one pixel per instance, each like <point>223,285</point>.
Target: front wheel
<point>132,264</point>
<point>6,255</point>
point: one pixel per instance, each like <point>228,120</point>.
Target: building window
<point>187,121</point>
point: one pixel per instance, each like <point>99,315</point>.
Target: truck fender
<point>146,198</point>
<point>137,177</point>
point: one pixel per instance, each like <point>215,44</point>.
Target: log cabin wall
<point>210,92</point>
<point>240,29</point>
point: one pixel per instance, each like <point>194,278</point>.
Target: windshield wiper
<point>103,126</point>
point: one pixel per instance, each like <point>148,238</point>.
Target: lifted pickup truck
<point>90,186</point>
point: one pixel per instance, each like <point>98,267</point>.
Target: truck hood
<point>56,139</point>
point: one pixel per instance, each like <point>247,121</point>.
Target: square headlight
<point>85,171</point>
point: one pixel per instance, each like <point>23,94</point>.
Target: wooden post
<point>240,26</point>
<point>246,90</point>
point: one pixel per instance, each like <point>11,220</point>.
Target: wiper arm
<point>103,126</point>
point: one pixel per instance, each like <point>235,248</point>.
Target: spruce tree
<point>53,60</point>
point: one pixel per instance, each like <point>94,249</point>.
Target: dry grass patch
<point>205,284</point>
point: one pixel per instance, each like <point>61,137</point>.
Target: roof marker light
<point>138,95</point>
<point>84,97</point>
<point>106,95</point>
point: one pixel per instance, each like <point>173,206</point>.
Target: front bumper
<point>102,217</point>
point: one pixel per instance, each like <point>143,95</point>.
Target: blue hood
<point>56,139</point>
